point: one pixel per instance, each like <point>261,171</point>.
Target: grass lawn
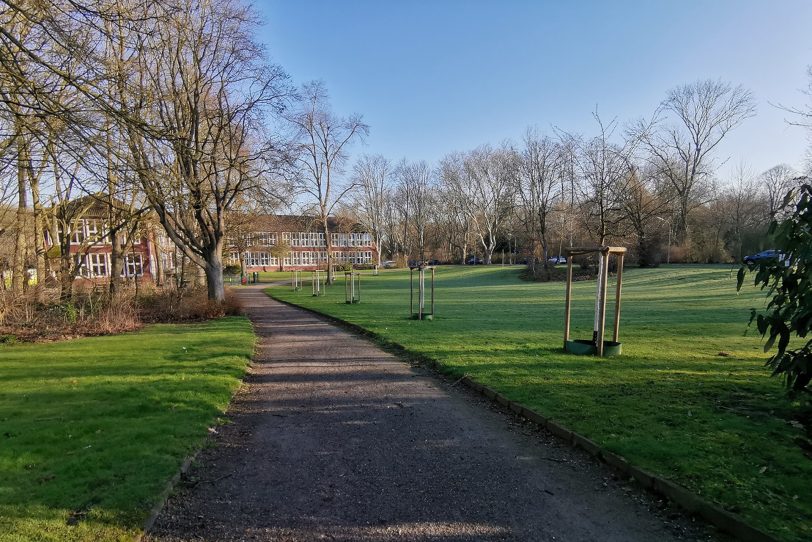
<point>92,429</point>
<point>689,398</point>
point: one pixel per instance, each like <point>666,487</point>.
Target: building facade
<point>274,242</point>
<point>147,254</point>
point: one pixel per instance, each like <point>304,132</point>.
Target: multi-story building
<point>282,242</point>
<point>147,254</point>
<point>263,243</point>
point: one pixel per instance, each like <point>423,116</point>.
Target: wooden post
<point>421,288</point>
<point>432,293</point>
<point>568,300</point>
<point>617,296</point>
<point>411,292</point>
<point>602,316</point>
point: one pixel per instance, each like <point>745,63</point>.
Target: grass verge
<point>690,399</point>
<point>92,429</point>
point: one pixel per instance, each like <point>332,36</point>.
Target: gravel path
<point>334,439</point>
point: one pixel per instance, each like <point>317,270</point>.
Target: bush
<point>95,312</point>
<point>232,270</point>
<point>184,304</point>
<point>788,281</point>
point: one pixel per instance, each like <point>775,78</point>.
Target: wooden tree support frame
<point>296,280</point>
<point>599,328</point>
<point>421,313</point>
<point>317,284</point>
<point>352,287</point>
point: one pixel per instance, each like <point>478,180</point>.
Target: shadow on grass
<point>92,429</point>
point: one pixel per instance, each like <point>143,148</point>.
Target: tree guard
<point>421,313</point>
<point>598,345</point>
<point>352,287</point>
<point>316,282</point>
<point>296,280</point>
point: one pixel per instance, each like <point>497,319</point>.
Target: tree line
<point>172,113</point>
<point>166,111</point>
<point>651,185</point>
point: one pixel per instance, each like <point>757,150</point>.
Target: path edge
<point>189,460</point>
<point>694,504</point>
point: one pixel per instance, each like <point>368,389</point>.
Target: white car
<point>555,260</point>
<point>389,264</point>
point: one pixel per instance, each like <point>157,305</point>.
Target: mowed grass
<point>92,429</point>
<point>689,399</point>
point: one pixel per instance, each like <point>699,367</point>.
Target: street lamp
<point>668,250</point>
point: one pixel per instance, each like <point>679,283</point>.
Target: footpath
<point>332,438</point>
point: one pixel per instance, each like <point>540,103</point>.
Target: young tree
<point>323,140</point>
<point>603,167</point>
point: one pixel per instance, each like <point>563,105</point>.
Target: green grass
<point>93,429</point>
<point>717,424</point>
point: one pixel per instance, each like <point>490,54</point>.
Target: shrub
<point>96,312</point>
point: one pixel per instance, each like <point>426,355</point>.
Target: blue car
<point>764,255</point>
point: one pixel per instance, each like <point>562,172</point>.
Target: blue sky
<point>435,77</point>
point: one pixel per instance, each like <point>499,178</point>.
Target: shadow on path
<point>334,439</point>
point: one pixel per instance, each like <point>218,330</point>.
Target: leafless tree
<point>415,184</point>
<point>539,188</point>
<point>373,174</point>
<point>201,94</point>
<point>603,167</point>
<point>453,201</point>
<point>488,191</point>
<point>777,181</point>
<point>323,141</point>
<point>687,129</point>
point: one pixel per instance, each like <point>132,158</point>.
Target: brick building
<point>282,242</point>
<point>147,254</point>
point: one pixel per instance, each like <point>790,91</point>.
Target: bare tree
<point>539,188</point>
<point>415,185</point>
<point>372,175</point>
<point>688,127</point>
<point>643,201</point>
<point>202,94</point>
<point>323,140</point>
<point>603,167</point>
<point>452,199</point>
<point>777,181</point>
<point>488,191</point>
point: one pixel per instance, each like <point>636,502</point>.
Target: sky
<point>433,77</point>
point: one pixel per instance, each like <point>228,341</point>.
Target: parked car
<point>389,264</point>
<point>433,262</point>
<point>764,255</point>
<point>555,260</point>
<point>474,260</point>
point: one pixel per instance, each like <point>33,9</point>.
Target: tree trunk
<point>65,276</point>
<point>214,273</point>
<point>39,231</point>
<point>328,244</point>
<point>18,278</point>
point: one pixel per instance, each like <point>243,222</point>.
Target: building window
<point>77,229</point>
<point>80,263</point>
<point>133,266</point>
<point>97,264</point>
